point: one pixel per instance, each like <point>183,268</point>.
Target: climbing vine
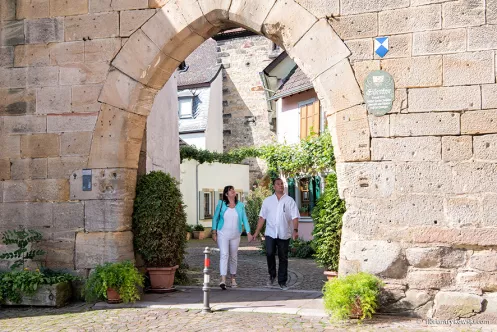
<point>313,155</point>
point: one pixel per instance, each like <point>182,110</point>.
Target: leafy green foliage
<point>123,277</point>
<point>23,239</point>
<point>327,216</point>
<point>198,227</point>
<point>159,220</point>
<point>15,284</point>
<point>253,206</point>
<point>300,248</point>
<point>189,228</point>
<point>205,156</point>
<point>342,294</point>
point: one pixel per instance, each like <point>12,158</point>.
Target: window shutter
<point>291,187</point>
<point>201,203</point>
<point>316,117</point>
<point>303,122</point>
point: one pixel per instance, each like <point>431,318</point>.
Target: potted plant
<point>353,296</point>
<point>24,285</point>
<point>327,216</point>
<point>198,232</point>
<point>189,230</point>
<point>159,227</point>
<point>304,211</point>
<point>114,282</point>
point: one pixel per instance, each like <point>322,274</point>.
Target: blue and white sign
<point>381,46</point>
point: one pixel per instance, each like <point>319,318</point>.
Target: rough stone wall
<point>420,183</point>
<point>245,109</point>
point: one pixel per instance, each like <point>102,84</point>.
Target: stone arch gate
<point>419,212</point>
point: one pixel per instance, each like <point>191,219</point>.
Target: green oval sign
<point>379,92</point>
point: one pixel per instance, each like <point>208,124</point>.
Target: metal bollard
<point>207,277</point>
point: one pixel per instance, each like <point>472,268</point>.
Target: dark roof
<point>275,62</point>
<point>202,65</point>
<point>200,110</point>
<point>295,82</point>
<point>233,33</point>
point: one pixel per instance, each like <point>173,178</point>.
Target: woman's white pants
<point>228,247</point>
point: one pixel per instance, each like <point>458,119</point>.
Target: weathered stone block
<point>85,98</point>
<point>445,99</point>
<point>17,101</point>
<point>44,30</point>
<point>7,10</point>
<point>215,11</point>
<point>116,5</point>
<point>355,26</point>
<point>479,122</point>
<point>10,146</point>
<point>13,78</point>
<point>32,215</point>
<point>83,73</point>
<point>51,100</point>
<point>467,177</point>
<point>108,216</point>
<point>439,42</point>
<point>25,124</point>
<point>415,72</point>
<point>489,212</point>
<point>463,211</point>
<point>4,169</point>
<point>485,260</point>
<point>452,305</point>
<point>69,218</point>
<point>485,147</point>
<point>117,138</point>
<point>321,8</point>
<point>71,122</point>
<point>63,167</point>
<point>39,145</point>
<point>361,49</point>
<point>423,257</point>
<point>423,177</point>
<point>36,191</point>
<point>452,257</point>
<point>108,183</point>
<point>32,9</point>
<point>69,52</point>
<point>56,295</point>
<point>31,55</point>
<point>425,124</point>
<point>6,56</point>
<point>338,88</point>
<point>357,6</point>
<point>362,70</point>
<point>379,126</point>
<point>469,68</point>
<point>287,22</point>
<point>25,169</point>
<point>413,299</point>
<point>42,76</point>
<point>314,63</point>
<point>77,143</point>
<point>60,255</point>
<point>370,180</point>
<point>400,46</point>
<point>489,96</point>
<point>430,279</point>
<point>465,13</point>
<point>91,26</point>
<point>409,19</point>
<point>378,257</point>
<point>101,49</point>
<point>482,38</point>
<point>457,148</point>
<point>406,149</point>
<point>101,247</point>
<point>12,33</point>
<point>350,128</point>
<point>62,8</point>
<point>250,14</point>
<point>132,20</point>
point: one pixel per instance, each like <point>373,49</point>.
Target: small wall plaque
<point>86,179</point>
<point>379,92</point>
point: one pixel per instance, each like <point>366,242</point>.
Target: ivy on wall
<point>312,156</point>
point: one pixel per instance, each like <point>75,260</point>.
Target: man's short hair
<point>274,181</point>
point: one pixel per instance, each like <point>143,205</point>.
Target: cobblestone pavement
<point>80,317</point>
<point>303,274</point>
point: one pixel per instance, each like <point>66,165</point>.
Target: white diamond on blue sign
<point>381,46</point>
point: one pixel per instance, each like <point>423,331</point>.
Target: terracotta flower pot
<point>188,236</point>
<point>355,310</point>
<point>331,274</point>
<point>113,296</point>
<point>199,235</point>
<point>162,278</point>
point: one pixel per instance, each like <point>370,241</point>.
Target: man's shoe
<point>270,282</point>
<point>233,283</point>
<point>283,287</point>
<point>222,285</point>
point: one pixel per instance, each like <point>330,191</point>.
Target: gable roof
<point>295,82</point>
<point>202,65</point>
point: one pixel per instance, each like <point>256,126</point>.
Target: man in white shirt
<point>282,216</point>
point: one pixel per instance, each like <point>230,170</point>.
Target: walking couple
<point>281,214</point>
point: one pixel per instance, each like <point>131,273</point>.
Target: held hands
<point>249,237</point>
<point>214,237</point>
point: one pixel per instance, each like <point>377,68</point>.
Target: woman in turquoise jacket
<point>227,225</point>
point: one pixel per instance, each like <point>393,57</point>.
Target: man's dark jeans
<point>282,245</point>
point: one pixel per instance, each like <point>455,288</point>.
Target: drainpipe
<point>196,190</point>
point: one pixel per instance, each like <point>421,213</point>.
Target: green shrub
<point>123,277</point>
<point>327,216</point>
<point>159,220</point>
<point>23,239</point>
<point>300,248</point>
<point>253,206</point>
<point>343,293</point>
<point>198,228</point>
<point>189,228</point>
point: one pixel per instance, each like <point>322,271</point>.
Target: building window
<point>310,118</point>
<point>207,205</point>
<point>306,192</point>
<point>185,105</point>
